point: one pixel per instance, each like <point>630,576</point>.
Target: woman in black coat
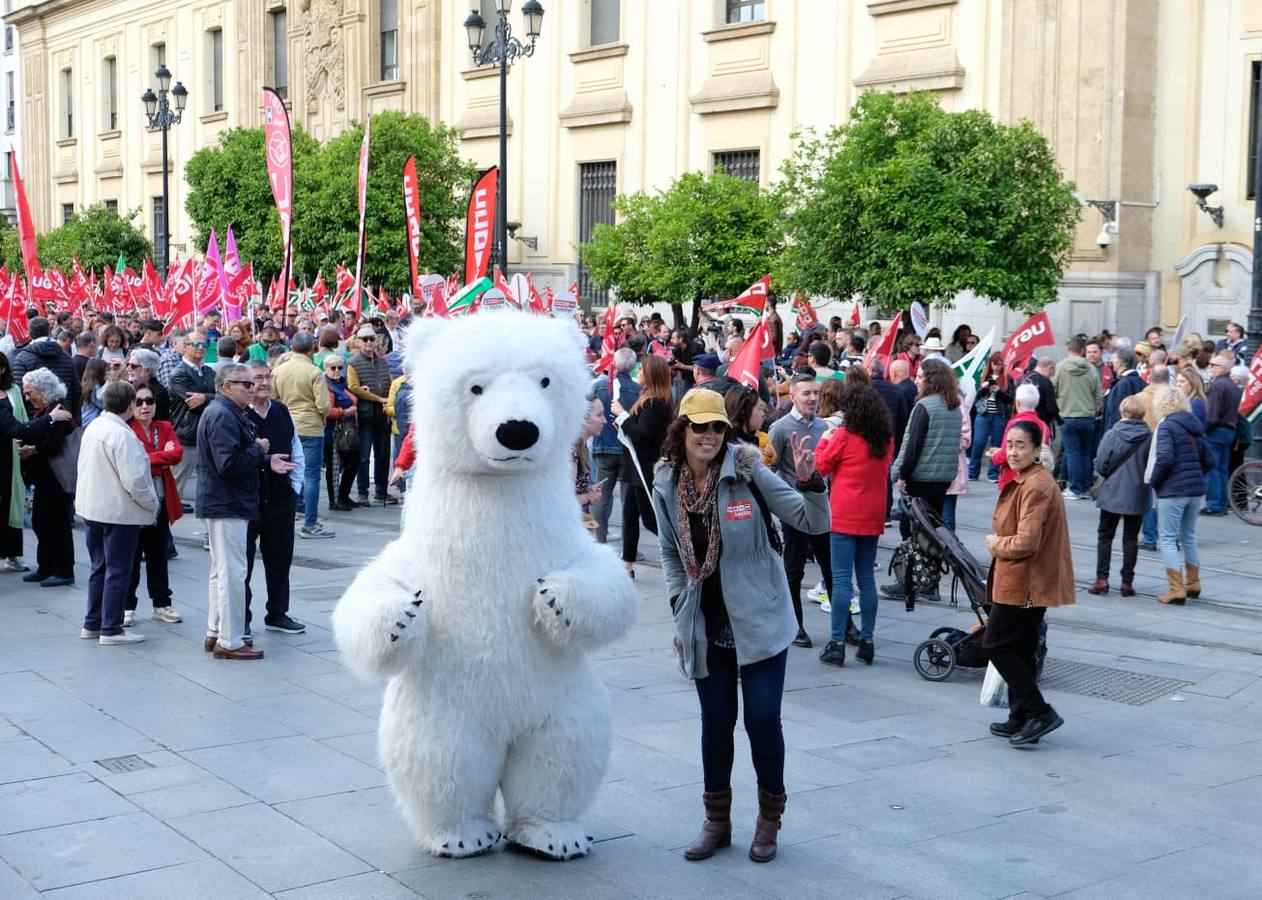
<point>644,425</point>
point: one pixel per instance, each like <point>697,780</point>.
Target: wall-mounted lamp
<point>1202,190</point>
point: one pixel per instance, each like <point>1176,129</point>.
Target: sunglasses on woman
<point>146,401</point>
<point>707,427</point>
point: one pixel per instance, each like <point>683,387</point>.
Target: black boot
<point>833,654</point>
<point>866,652</point>
<point>803,639</point>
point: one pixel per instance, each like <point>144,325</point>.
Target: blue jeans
<point>312,459</point>
<point>1178,528</point>
<point>1220,440</point>
<point>857,553</point>
<point>762,686</point>
<point>987,430</point>
<point>948,511</point>
<point>111,549</point>
<point>1076,435</point>
<point>1148,527</point>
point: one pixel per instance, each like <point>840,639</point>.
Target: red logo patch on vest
<point>740,509</point>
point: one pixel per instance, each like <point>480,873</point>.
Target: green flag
<point>972,365</point>
<point>122,263</point>
<point>462,302</point>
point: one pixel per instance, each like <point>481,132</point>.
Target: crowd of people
<point>131,425</point>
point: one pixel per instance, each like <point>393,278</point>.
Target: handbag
<point>1101,477</point>
<point>346,435</point>
<point>65,463</point>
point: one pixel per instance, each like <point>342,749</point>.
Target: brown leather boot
<point>716,833</point>
<point>770,809</point>
<point>1193,584</point>
<point>1177,594</point>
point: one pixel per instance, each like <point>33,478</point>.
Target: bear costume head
<point>496,394</point>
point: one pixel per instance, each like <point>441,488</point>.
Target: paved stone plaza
<point>156,771</point>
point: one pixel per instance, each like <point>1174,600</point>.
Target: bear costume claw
<point>554,841</point>
<point>470,839</point>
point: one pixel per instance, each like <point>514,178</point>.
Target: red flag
<point>180,286</point>
<point>412,217</point>
<point>241,286</point>
<point>746,366</point>
<point>753,297</point>
<point>15,313</point>
<point>40,287</point>
<point>536,304</point>
<point>318,290</point>
<point>26,227</point>
<point>363,209</point>
<point>280,165</point>
<point>1251,396</point>
<point>1036,331</point>
<point>608,344</point>
<point>383,300</point>
<point>856,314</point>
<point>805,313</point>
<point>497,281</point>
<point>574,289</point>
<point>884,347</point>
<point>478,225</point>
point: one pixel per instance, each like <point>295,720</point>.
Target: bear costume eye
<point>477,389</point>
<point>545,382</point>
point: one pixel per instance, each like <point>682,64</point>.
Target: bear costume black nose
<point>517,435</point>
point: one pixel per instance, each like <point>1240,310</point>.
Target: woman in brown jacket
<point>1032,571</point>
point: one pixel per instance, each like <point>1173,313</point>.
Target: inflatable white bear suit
<point>480,613</point>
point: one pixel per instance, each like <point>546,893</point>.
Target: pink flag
<point>363,208</point>
<point>280,167</point>
<point>231,266</point>
<point>209,286</point>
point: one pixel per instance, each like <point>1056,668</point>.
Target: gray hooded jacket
<point>1121,459</point>
<point>755,590</point>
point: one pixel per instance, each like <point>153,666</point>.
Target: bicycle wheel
<point>1244,489</point>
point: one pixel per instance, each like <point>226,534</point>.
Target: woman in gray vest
<point>927,461</point>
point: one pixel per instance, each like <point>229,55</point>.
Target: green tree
<point>228,185</point>
<point>326,224</point>
<point>700,239</point>
<point>94,233</point>
<point>909,202</point>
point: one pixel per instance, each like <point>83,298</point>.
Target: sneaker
<point>854,605</point>
<point>803,639</point>
<point>129,618</point>
<point>1070,495</point>
<point>127,637</point>
<point>88,634</point>
<point>1151,548</point>
<point>206,543</point>
<point>833,654</point>
<point>387,500</point>
<point>825,607</point>
<point>57,581</point>
<point>285,624</point>
<point>817,593</point>
<point>1035,728</point>
<point>13,564</point>
<point>363,498</point>
<point>315,531</point>
<point>1006,729</point>
<point>167,614</point>
<point>993,479</point>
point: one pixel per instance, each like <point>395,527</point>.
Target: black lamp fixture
<point>500,50</point>
<point>161,114</point>
<point>1202,190</point>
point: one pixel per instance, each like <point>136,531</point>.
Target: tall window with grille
<point>8,39</point>
<point>280,52</point>
<point>597,186</point>
<point>10,103</point>
<point>111,206</point>
<point>745,11</point>
<point>67,103</point>
<point>389,40</point>
<point>214,42</point>
<point>744,164</point>
<point>67,212</point>
<point>109,93</point>
<point>1255,111</point>
<point>7,180</point>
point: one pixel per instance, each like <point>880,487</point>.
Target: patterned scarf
<point>705,503</point>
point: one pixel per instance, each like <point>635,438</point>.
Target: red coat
<point>856,495</point>
<point>161,460</point>
<point>1001,455</point>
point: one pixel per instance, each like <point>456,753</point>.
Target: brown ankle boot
<point>1177,594</point>
<point>1193,584</point>
<point>770,809</point>
<point>717,830</point>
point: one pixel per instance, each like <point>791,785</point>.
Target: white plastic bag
<point>994,688</point>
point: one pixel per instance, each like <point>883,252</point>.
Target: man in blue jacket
<point>231,458</point>
<point>1126,383</point>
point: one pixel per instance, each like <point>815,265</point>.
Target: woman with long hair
<point>241,331</point>
<point>1178,460</point>
<point>959,343</point>
<point>748,414</point>
<point>95,374</point>
<point>928,459</point>
<point>910,353</point>
<point>343,407</point>
<point>734,618</point>
<point>645,427</point>
<point>1032,570</point>
<point>856,457</point>
<point>1192,386</point>
<point>994,407</point>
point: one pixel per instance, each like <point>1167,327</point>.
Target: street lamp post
<point>162,115</point>
<point>501,51</point>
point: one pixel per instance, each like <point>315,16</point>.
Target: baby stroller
<point>933,550</point>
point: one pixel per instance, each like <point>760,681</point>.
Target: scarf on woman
<point>706,504</point>
<point>17,496</point>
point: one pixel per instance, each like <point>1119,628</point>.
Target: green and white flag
<point>972,365</point>
<point>462,302</point>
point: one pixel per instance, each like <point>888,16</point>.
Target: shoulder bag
<point>65,464</point>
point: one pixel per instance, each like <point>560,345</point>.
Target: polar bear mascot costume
<point>480,615</point>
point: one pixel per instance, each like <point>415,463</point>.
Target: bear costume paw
<point>553,603</point>
<point>468,839</point>
<point>551,840</point>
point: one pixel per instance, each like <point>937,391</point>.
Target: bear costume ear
<point>422,335</point>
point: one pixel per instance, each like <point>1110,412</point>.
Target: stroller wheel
<point>938,632</point>
<point>934,660</point>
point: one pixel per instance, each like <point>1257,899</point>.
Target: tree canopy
<point>703,237</point>
<point>94,233</point>
<point>909,202</point>
<point>229,185</point>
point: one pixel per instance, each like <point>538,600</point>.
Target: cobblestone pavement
<point>155,771</point>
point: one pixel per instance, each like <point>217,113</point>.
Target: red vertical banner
<point>280,166</point>
<point>26,227</point>
<point>363,209</point>
<point>478,225</point>
<point>1251,396</point>
<point>412,215</point>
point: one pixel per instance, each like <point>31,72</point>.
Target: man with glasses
<point>1222,400</point>
<point>290,328</point>
<point>273,530</point>
<point>142,371</point>
<point>368,376</point>
<point>192,388</point>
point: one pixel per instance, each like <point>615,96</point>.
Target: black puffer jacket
<point>45,353</point>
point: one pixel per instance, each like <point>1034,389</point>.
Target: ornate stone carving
<point>325,61</point>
